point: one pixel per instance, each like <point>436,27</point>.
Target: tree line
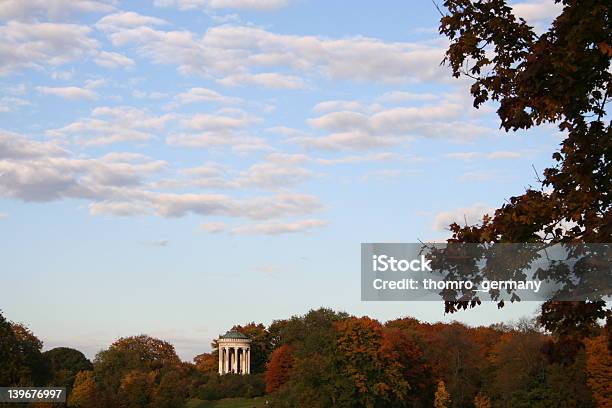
<point>331,359</point>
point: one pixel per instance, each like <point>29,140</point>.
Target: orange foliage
<point>277,373</point>
<point>599,370</point>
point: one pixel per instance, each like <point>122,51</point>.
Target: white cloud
<point>275,228</point>
<point>401,96</point>
<point>15,146</point>
<point>33,45</point>
<point>29,174</point>
<point>127,19</point>
<point>221,121</point>
<point>223,4</point>
<point>330,106</point>
<point>269,80</point>
<point>375,127</point>
<point>9,103</point>
<point>214,227</point>
<point>195,95</point>
<point>108,59</point>
<point>371,157</point>
<point>537,13</point>
<point>462,216</point>
<point>496,155</point>
<point>239,142</point>
<point>3,216</point>
<point>224,128</point>
<point>108,125</point>
<point>264,175</point>
<point>117,183</point>
<point>68,92</point>
<point>53,9</point>
<point>234,54</point>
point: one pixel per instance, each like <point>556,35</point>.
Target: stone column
<point>226,360</point>
<point>235,365</point>
<point>220,360</point>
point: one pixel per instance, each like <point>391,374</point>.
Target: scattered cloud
<point>268,80</point>
<point>496,155</point>
<point>195,95</point>
<point>462,216</point>
<point>9,103</point>
<point>52,9</point>
<point>107,125</point>
<point>126,20</point>
<point>235,53</point>
<point>401,96</point>
<point>223,4</point>
<point>69,92</point>
<point>376,128</point>
<point>33,45</point>
<point>214,227</point>
<point>275,228</point>
<point>108,59</point>
<point>538,13</point>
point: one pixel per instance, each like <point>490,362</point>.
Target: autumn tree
<point>22,363</point>
<point>129,363</point>
<point>599,371</point>
<point>374,370</point>
<point>482,401</point>
<point>136,389</point>
<point>560,77</point>
<point>207,362</point>
<point>279,368</point>
<point>442,398</point>
<point>85,392</point>
<point>402,348</point>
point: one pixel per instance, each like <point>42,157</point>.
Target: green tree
<point>260,345</point>
<point>21,360</point>
<point>64,364</point>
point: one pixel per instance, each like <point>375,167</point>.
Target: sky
<point>175,167</point>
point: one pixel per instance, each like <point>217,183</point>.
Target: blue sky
<point>175,167</point>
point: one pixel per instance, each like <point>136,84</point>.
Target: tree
<point>136,389</point>
<point>561,77</point>
<point>64,364</point>
<point>374,370</point>
<point>22,361</point>
<point>279,368</point>
<point>400,347</point>
<point>260,345</point>
<point>127,356</point>
<point>11,359</point>
<point>481,401</point>
<point>85,393</point>
<point>207,362</point>
<point>442,398</point>
<point>599,371</point>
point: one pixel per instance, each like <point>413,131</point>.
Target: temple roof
<point>232,334</point>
